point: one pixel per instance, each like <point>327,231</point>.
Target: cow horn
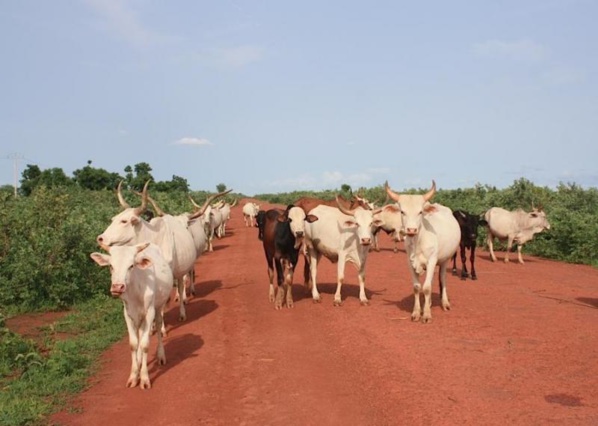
<point>342,208</point>
<point>202,209</point>
<point>119,194</point>
<point>139,210</point>
<point>393,195</point>
<point>431,192</point>
<point>158,210</point>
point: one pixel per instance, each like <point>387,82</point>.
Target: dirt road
<point>519,347</point>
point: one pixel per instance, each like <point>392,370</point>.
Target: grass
<point>38,381</point>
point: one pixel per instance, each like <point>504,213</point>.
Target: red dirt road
<point>519,347</point>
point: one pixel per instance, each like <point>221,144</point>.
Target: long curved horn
<point>393,195</point>
<point>234,202</point>
<point>139,210</point>
<point>121,199</point>
<point>343,209</point>
<point>157,209</point>
<point>202,209</point>
<point>431,192</point>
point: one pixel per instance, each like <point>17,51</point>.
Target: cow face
<point>413,208</point>
<point>122,230</point>
<point>539,221</point>
<point>122,261</point>
<point>363,221</point>
<point>469,225</point>
<point>297,218</point>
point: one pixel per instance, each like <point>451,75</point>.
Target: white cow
<point>516,226</point>
<point>391,223</point>
<point>225,210</point>
<point>250,210</point>
<point>432,236</point>
<point>142,278</point>
<point>176,243</point>
<point>195,224</point>
<point>341,235</point>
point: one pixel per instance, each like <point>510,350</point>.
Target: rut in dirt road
<point>516,346</point>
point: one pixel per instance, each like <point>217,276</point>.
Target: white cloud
<point>526,50</point>
<point>192,141</point>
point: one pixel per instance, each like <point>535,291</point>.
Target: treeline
<point>47,236</point>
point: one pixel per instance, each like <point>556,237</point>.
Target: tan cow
<point>516,226</point>
<point>432,236</point>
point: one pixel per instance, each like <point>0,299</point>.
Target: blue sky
<point>274,96</point>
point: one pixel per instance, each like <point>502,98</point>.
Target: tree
<point>221,187</point>
<point>142,175</point>
<point>95,179</point>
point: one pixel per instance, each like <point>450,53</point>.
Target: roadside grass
<point>36,379</point>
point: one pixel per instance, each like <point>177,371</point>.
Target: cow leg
<point>464,273</point>
<point>472,260</point>
<point>509,247</point>
<point>427,289</point>
<point>271,291</point>
<point>279,284</point>
<point>340,277</point>
<point>314,259</point>
<point>519,254</point>
<point>454,270</point>
<point>144,340</point>
<point>287,268</point>
<point>416,314</point>
<point>361,277</point>
<point>489,241</point>
<point>192,281</point>
<point>180,282</point>
<point>443,289</point>
<point>160,353</point>
<point>133,344</point>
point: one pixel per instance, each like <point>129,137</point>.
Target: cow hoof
<point>454,271</point>
<point>182,318</point>
<point>426,320</point>
<point>415,317</point>
<point>338,303</point>
<point>318,300</point>
<point>132,382</point>
<point>145,384</point>
<point>365,302</point>
<point>474,277</point>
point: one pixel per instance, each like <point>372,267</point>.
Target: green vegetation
<point>38,379</point>
<point>48,232</point>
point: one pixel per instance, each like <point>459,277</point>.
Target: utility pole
<point>15,157</point>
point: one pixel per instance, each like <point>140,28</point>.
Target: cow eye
<point>124,221</point>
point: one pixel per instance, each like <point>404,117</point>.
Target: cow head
<point>469,224</point>
<point>390,220</point>
<point>260,219</point>
<point>538,219</point>
<point>122,261</point>
<point>413,208</point>
<point>125,226</point>
<point>362,220</point>
<point>297,218</point>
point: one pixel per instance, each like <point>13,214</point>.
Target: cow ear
<point>135,220</point>
<point>377,223</point>
<point>311,218</point>
<point>143,262</point>
<point>430,208</point>
<point>100,258</point>
<point>392,208</point>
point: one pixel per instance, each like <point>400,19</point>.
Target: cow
<point>250,210</point>
<point>260,220</point>
<point>341,235</point>
<point>432,237</point>
<point>142,279</point>
<point>391,224</point>
<point>282,252</point>
<point>195,224</point>
<point>516,226</point>
<point>468,223</point>
<point>225,211</point>
<point>176,243</point>
<point>213,222</point>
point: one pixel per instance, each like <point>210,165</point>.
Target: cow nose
<point>411,231</point>
<point>117,289</point>
<point>299,234</point>
<point>366,241</point>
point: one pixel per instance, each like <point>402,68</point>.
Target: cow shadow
<point>195,309</point>
<point>177,349</point>
<point>589,301</point>
<point>202,289</point>
<point>500,257</point>
<point>406,303</point>
<point>218,247</point>
<point>348,291</point>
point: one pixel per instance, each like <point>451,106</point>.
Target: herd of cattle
<point>147,258</point>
